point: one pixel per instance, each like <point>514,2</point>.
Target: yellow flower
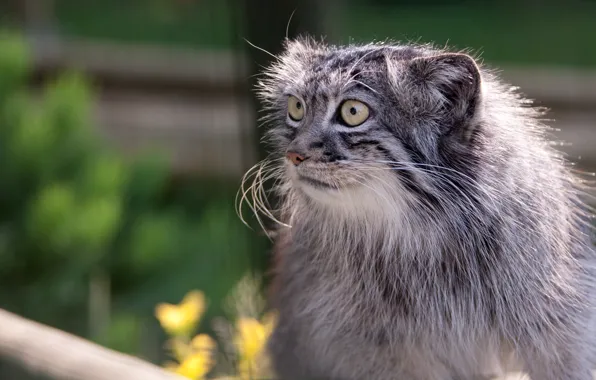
<point>247,370</point>
<point>196,357</point>
<point>179,348</point>
<point>196,366</point>
<point>203,343</point>
<point>269,322</point>
<point>181,319</point>
<point>251,339</point>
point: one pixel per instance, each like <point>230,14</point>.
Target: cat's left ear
<point>451,82</point>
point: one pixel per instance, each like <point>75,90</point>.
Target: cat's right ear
<point>449,83</point>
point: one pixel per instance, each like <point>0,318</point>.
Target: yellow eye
<point>295,108</point>
<point>354,112</point>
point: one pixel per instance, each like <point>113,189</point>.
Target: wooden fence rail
<point>45,350</point>
<point>203,69</point>
<point>188,100</point>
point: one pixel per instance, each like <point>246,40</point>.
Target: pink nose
<point>296,158</point>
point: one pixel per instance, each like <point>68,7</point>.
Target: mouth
<point>316,183</point>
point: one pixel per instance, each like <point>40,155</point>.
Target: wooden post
<point>266,23</point>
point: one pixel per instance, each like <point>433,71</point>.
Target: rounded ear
<point>451,81</point>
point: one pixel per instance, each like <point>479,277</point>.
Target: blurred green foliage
<point>516,31</point>
<point>71,208</point>
<point>523,32</point>
<point>204,23</point>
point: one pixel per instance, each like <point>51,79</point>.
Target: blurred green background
<point>126,126</point>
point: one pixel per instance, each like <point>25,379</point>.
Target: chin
<point>319,190</point>
<point>353,197</point>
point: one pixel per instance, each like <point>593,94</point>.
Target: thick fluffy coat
<point>442,238</point>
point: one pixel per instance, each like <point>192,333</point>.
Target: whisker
<point>422,202</point>
<point>465,196</point>
<point>247,175</point>
<point>260,197</point>
<point>260,173</point>
<point>358,61</point>
<point>351,79</point>
<point>289,21</point>
<point>259,48</point>
<point>252,172</point>
<point>365,85</point>
<point>466,180</point>
<point>464,177</point>
<point>389,203</point>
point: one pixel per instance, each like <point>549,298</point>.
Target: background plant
<point>89,241</point>
<point>244,336</point>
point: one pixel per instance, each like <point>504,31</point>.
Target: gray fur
<point>449,242</point>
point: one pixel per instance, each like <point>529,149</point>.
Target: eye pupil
<point>353,113</point>
<point>298,105</point>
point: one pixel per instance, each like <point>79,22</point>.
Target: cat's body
<point>439,238</point>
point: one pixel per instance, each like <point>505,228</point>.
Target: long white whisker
<point>466,197</point>
<point>256,173</point>
<point>464,177</point>
<point>260,198</point>
<point>389,203</point>
<point>262,172</point>
<point>446,178</point>
<point>259,48</point>
<point>351,79</point>
<point>242,191</point>
<point>289,21</point>
<point>364,85</point>
<point>357,62</point>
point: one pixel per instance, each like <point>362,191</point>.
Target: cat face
<point>370,119</point>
